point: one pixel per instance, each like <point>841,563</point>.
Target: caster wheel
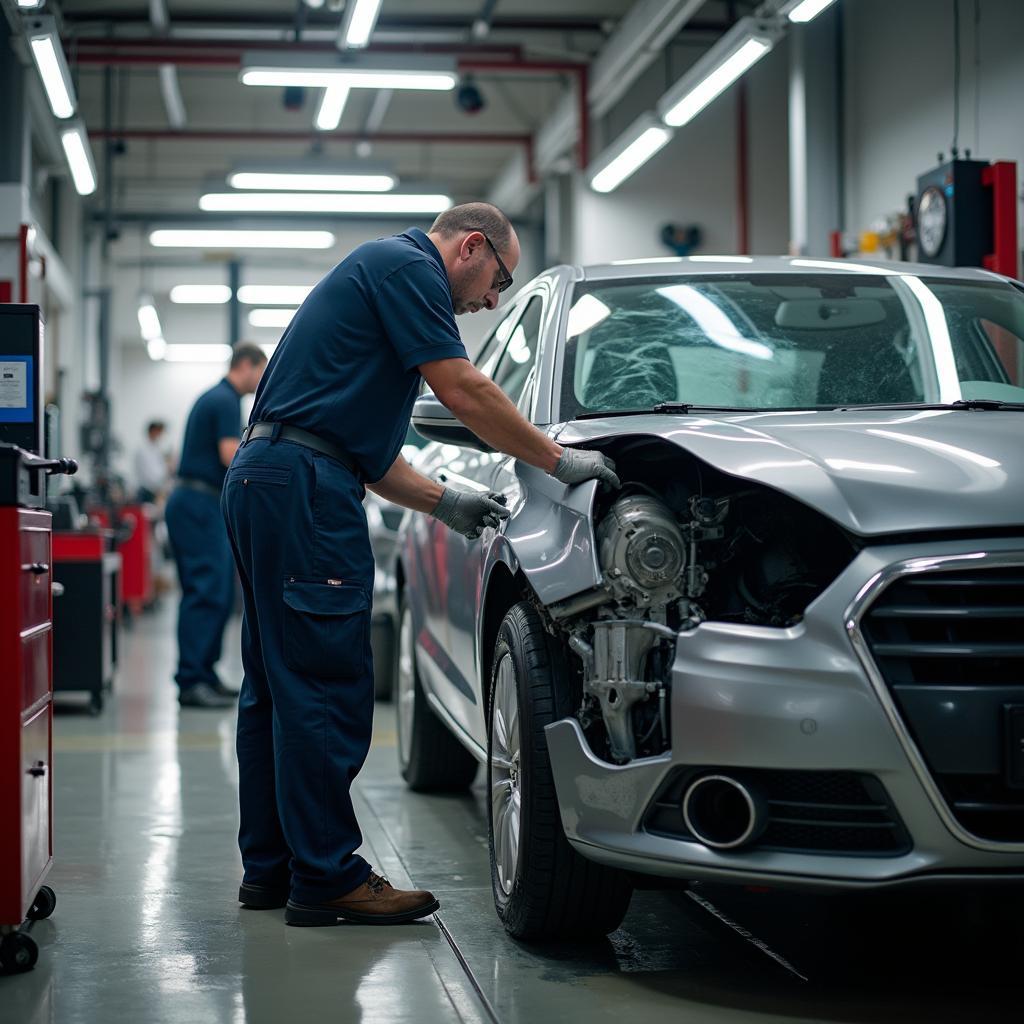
<point>18,953</point>
<point>45,904</point>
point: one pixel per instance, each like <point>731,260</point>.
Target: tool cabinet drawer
<point>35,803</point>
<point>36,655</point>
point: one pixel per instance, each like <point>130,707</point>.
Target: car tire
<point>554,892</point>
<point>430,758</point>
<point>382,642</point>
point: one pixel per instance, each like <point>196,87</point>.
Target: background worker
<point>152,465</point>
<point>330,418</point>
<point>196,531</point>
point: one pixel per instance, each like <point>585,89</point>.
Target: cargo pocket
<point>325,627</point>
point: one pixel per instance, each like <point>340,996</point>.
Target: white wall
<point>693,180</point>
<point>899,95</point>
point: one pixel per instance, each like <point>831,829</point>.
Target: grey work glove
<point>467,512</point>
<point>578,465</point>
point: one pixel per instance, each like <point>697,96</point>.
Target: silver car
<point>789,651</point>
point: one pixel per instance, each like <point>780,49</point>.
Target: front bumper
<point>751,697</point>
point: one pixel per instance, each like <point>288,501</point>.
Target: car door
<point>447,598</point>
<point>512,368</point>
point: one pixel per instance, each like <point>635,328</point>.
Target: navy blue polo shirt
<point>346,367</point>
<point>217,415</point>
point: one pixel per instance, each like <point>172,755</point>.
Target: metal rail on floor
<point>471,977</point>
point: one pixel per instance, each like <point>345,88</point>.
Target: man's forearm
<point>487,411</point>
<point>402,485</point>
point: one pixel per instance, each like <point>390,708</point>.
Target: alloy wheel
<point>505,778</point>
<point>406,686</point>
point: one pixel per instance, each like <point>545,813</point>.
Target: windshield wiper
<point>961,403</point>
<point>670,408</point>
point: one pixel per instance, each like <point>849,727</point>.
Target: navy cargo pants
<point>298,531</point>
<point>195,529</point>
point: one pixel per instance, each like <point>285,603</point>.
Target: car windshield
<point>791,341</point>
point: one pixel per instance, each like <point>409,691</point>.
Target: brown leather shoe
<point>376,901</point>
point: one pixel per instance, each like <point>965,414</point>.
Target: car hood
<point>872,471</point>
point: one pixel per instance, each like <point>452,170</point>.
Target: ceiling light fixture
<point>310,181</point>
<point>332,106</point>
<point>358,23</point>
<point>79,157</point>
<point>633,148</point>
<point>392,203</point>
<point>156,349</point>
<point>737,51</point>
<point>200,294</point>
<point>273,294</point>
<point>149,320</point>
<point>322,71</point>
<point>30,5</point>
<point>197,353</point>
<point>52,65</point>
<point>801,11</point>
<point>271,317</point>
<point>215,238</point>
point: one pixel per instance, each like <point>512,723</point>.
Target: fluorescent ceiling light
<point>354,80</point>
<point>79,157</point>
<point>156,348</point>
<point>332,106</point>
<point>28,5</point>
<point>358,24</point>
<point>52,65</point>
<point>739,49</point>
<point>273,294</point>
<point>271,317</point>
<point>322,71</point>
<point>149,321</point>
<point>628,153</point>
<point>587,312</point>
<point>197,353</point>
<point>323,202</point>
<point>201,294</point>
<point>312,181</point>
<point>713,321</point>
<point>806,10</point>
<point>191,238</point>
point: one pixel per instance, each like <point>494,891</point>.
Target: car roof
<point>673,266</point>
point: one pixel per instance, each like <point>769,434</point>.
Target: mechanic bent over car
<point>328,421</point>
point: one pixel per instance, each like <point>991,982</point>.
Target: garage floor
<point>147,929</point>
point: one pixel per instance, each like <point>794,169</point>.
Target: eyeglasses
<point>505,281</point>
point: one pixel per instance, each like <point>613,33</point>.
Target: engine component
<point>614,664</point>
<point>642,551</point>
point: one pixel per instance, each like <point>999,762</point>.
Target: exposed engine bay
<point>680,544</point>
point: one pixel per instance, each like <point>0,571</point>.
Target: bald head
<point>464,235</point>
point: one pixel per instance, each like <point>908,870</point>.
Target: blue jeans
<point>298,531</point>
<point>199,542</point>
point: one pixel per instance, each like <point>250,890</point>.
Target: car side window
<point>492,347</point>
<point>517,361</point>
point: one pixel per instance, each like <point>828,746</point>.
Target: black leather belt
<point>190,483</point>
<point>284,432</point>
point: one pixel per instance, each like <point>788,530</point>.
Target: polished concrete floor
<point>147,930</point>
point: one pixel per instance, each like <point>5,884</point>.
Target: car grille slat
<point>925,611</point>
<point>947,646</point>
<point>808,811</point>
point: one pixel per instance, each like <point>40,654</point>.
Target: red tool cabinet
<point>26,699</point>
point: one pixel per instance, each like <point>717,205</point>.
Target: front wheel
<point>542,887</point>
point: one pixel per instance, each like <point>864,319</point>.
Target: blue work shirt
<point>346,367</point>
<point>217,415</point>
